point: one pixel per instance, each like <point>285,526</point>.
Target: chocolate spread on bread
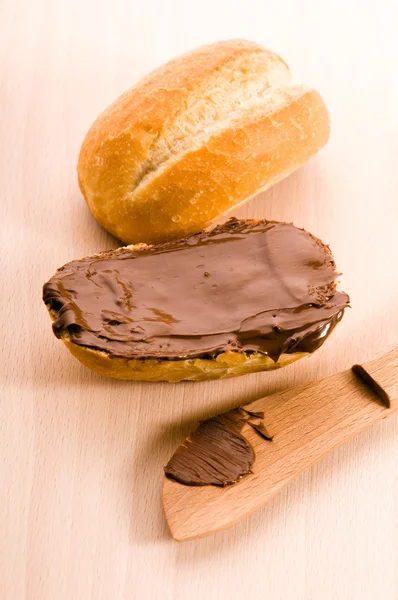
<point>253,286</point>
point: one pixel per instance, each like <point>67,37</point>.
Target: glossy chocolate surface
<point>214,454</point>
<point>217,453</point>
<point>255,286</point>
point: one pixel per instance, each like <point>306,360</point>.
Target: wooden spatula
<point>308,422</point>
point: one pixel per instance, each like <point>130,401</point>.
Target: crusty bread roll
<point>196,138</point>
<point>244,297</point>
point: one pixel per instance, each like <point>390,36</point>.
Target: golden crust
<point>227,364</point>
<point>195,139</point>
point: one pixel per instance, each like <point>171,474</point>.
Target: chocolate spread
<point>216,453</point>
<point>260,286</point>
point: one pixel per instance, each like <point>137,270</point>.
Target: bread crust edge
<point>224,365</point>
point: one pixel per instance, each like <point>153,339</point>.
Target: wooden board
<point>307,423</point>
<point>81,457</point>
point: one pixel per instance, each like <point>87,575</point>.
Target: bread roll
<point>246,296</point>
<point>195,139</point>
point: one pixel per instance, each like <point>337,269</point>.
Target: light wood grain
<point>307,422</point>
<point>81,457</point>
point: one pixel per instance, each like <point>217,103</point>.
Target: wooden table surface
<point>81,456</point>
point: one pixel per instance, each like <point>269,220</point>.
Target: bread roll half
<point>246,296</point>
<point>196,138</point>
